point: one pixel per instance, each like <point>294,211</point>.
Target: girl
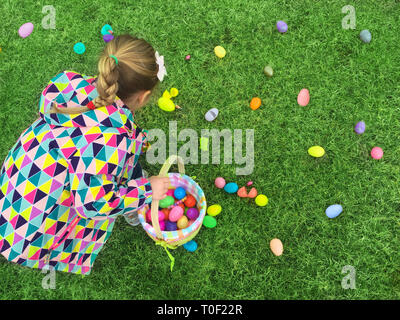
<point>75,169</point>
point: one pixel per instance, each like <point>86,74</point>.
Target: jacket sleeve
<point>96,185</point>
<point>99,196</point>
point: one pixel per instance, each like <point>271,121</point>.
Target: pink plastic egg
<point>25,30</point>
<point>376,153</point>
<point>304,97</point>
<point>162,225</point>
<point>175,214</point>
<point>170,192</point>
<point>220,182</point>
<point>161,216</point>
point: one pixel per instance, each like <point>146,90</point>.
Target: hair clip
<point>114,57</point>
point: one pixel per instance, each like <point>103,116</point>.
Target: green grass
<point>348,80</point>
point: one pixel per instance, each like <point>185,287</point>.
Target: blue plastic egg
<point>365,36</point>
<point>179,193</point>
<point>190,246</point>
<point>79,48</point>
<point>106,29</point>
<point>231,187</point>
<point>334,210</point>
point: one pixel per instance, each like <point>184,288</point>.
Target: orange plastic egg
<point>255,103</point>
<point>190,201</point>
<point>166,213</point>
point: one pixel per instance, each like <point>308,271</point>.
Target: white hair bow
<point>161,68</point>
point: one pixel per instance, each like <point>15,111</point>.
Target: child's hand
<point>159,185</point>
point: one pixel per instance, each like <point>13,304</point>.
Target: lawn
<point>348,80</point>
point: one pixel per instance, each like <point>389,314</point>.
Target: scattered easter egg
<point>190,201</point>
<point>182,222</point>
<point>316,151</point>
<point>268,71</point>
<point>209,221</point>
<point>166,202</point>
<point>211,114</point>
<point>360,127</point>
<point>162,225</point>
<point>231,187</point>
<point>333,211</point>
<point>261,200</point>
<point>174,92</point>
<point>108,37</point>
<point>106,29</point>
<point>252,193</point>
<point>187,58</point>
<point>250,183</point>
<point>170,226</point>
<point>377,153</point>
<point>276,247</point>
<point>281,26</point>
<point>214,210</point>
<point>166,94</point>
<point>365,36</point>
<point>255,103</point>
<point>179,193</point>
<point>220,182</point>
<point>166,104</point>
<point>79,48</point>
<point>190,246</point>
<point>242,192</point>
<point>192,213</point>
<point>219,51</point>
<point>25,30</point>
<point>303,97</point>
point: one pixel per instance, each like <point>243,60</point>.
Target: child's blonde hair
<point>136,71</point>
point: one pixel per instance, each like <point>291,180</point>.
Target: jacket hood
<point>70,89</point>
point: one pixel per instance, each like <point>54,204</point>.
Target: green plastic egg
<point>166,104</point>
<point>209,222</point>
<point>166,202</point>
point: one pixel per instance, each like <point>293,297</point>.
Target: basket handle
<point>164,173</point>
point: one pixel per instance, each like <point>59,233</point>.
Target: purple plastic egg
<point>281,26</point>
<point>192,213</point>
<point>170,226</point>
<point>108,37</point>
<point>360,127</point>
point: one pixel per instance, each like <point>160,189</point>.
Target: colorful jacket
<point>67,178</point>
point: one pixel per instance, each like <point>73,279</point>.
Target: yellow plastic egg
<point>214,210</point>
<point>166,104</point>
<point>219,51</point>
<point>167,95</point>
<point>316,151</point>
<point>182,222</point>
<point>174,92</point>
<point>261,200</point>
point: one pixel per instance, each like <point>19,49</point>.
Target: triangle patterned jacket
<point>68,177</point>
